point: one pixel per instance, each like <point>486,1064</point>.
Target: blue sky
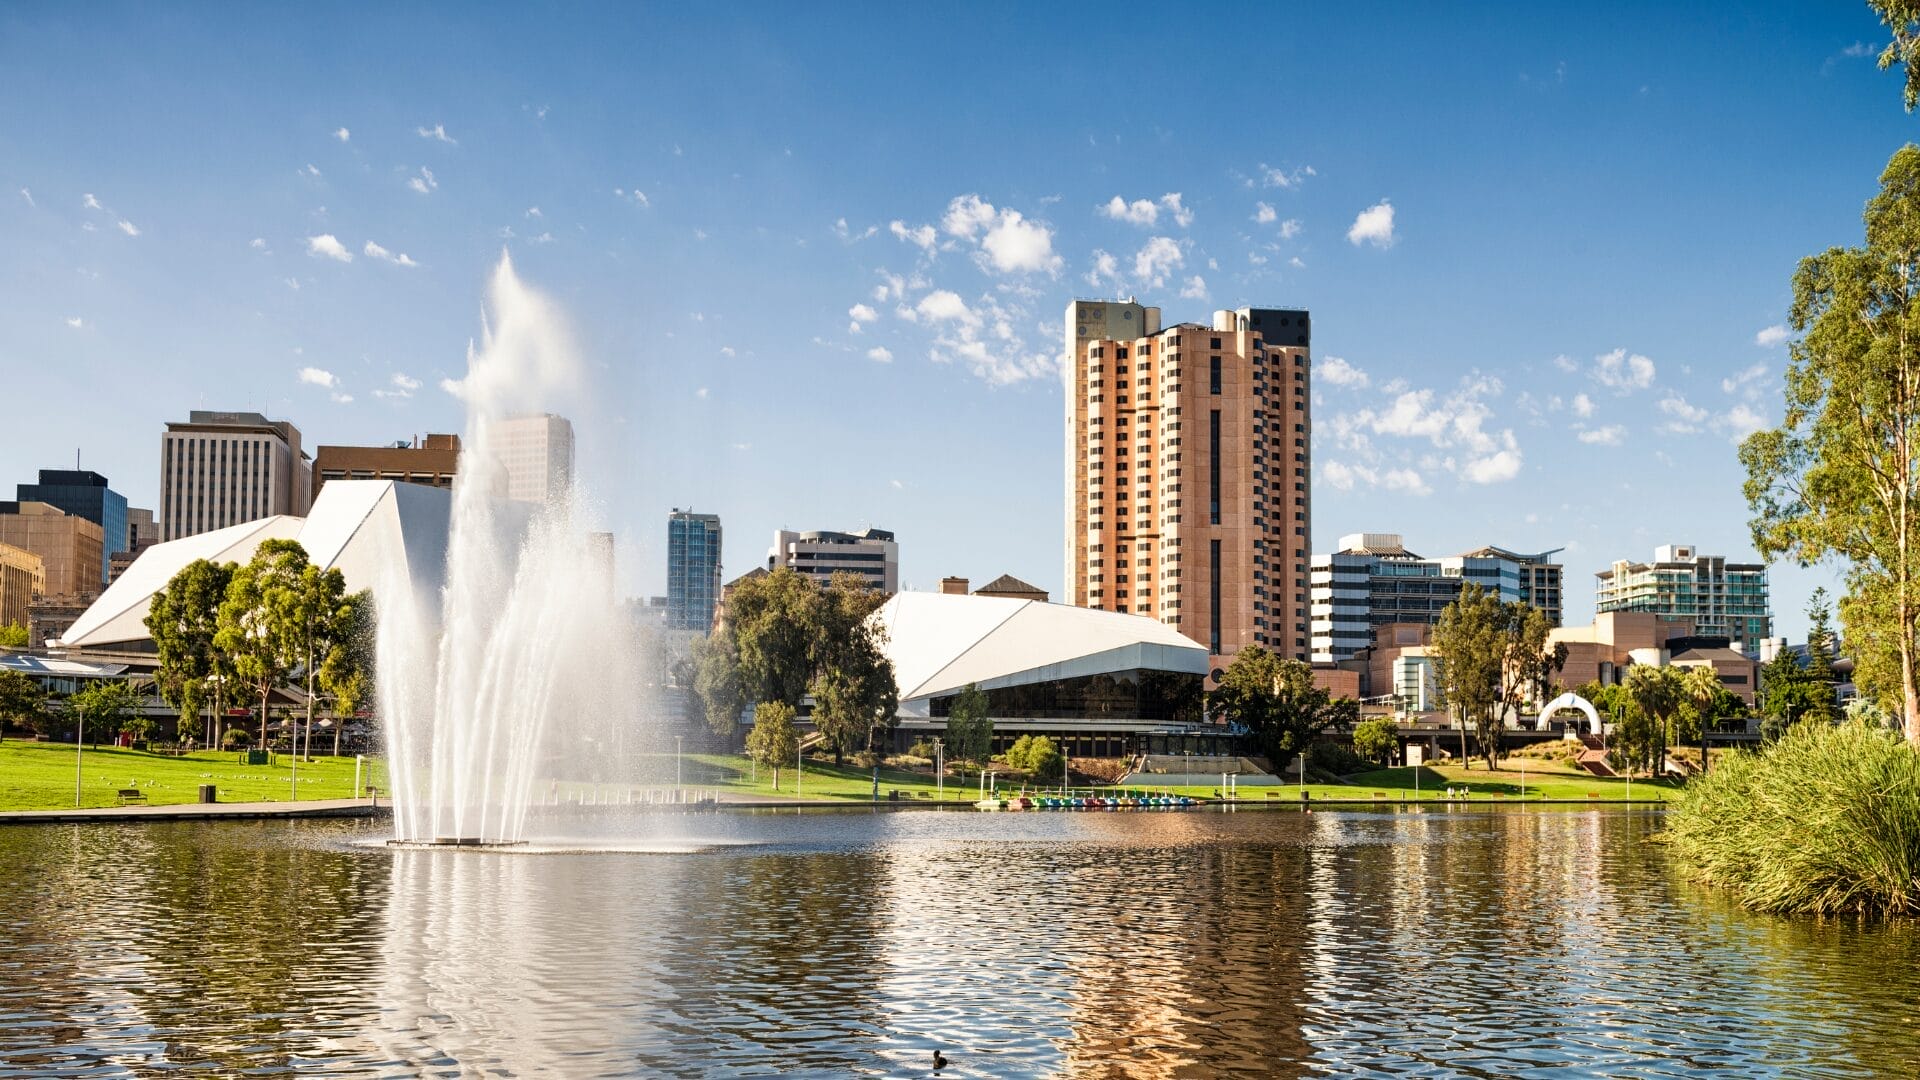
<point>817,264</point>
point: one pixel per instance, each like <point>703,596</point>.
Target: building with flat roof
<point>432,462</point>
<point>1188,454</point>
<point>693,569</point>
<point>68,545</point>
<point>226,468</point>
<point>1372,580</point>
<point>1618,640</point>
<point>536,450</point>
<point>873,554</point>
<point>1723,599</point>
<point>85,494</point>
<point>23,576</point>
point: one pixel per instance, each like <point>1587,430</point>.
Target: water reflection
<point>1448,942</point>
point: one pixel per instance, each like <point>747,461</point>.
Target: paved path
<point>199,812</point>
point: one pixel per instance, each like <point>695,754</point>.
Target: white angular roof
<point>940,642</point>
<point>369,529</point>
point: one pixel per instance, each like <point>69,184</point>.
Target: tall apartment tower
<point>1188,462</point>
<point>224,468</point>
<point>537,453</point>
<point>85,494</point>
<point>693,569</point>
<point>1724,599</point>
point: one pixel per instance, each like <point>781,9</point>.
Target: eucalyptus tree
<point>853,689</point>
<point>313,618</point>
<point>970,726</point>
<point>347,669</point>
<point>773,741</point>
<point>1839,479</point>
<point>1276,700</point>
<point>253,632</point>
<point>183,619</point>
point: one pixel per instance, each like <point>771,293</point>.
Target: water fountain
<point>522,664</point>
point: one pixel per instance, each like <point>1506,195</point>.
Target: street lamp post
<point>676,769</point>
<point>939,768</point>
<point>79,722</point>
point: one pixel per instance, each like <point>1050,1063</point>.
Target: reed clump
<point>1826,820</point>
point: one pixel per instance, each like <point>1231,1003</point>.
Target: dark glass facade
<point>693,570</point>
<point>1136,694</point>
<point>86,495</point>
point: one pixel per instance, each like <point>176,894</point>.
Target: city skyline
<point>862,270</point>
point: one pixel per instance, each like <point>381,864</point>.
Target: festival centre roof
<point>366,528</point>
<point>940,642</point>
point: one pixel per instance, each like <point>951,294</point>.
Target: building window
<point>1213,590</point>
<point>1216,375</point>
<point>1213,468</point>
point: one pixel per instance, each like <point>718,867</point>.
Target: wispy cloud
<point>636,196</point>
<point>920,236</point>
<point>1265,214</point>
<point>1623,372</point>
<point>1609,435</point>
<point>342,134</point>
<point>375,251</point>
<point>76,322</point>
<point>28,195</point>
<point>1340,373</point>
<point>128,227</point>
<point>313,376</point>
<point>326,246</point>
<point>1374,225</point>
<point>437,133</point>
<point>399,385</point>
<point>1771,336</point>
<point>880,354</point>
<point>1195,288</point>
<point>1147,211</point>
<point>423,183</point>
<point>1269,176</point>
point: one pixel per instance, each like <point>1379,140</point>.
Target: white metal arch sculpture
<point>1571,700</point>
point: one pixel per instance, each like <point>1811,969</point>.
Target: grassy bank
<point>39,776</point>
<point>1824,821</point>
<point>1505,784</point>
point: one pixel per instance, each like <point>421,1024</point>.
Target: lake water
<point>1458,942</point>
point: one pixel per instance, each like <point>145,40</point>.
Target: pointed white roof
<point>375,531</point>
<point>940,642</point>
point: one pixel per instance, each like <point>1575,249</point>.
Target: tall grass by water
<point>1824,821</point>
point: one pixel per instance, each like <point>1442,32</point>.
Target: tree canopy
<point>183,619</point>
<point>773,741</point>
<point>1276,701</point>
<point>1490,660</point>
<point>969,727</point>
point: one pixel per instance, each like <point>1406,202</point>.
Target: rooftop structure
<point>871,553</point>
<point>225,468</point>
<point>432,462</point>
<point>1722,598</point>
<point>85,494</point>
<point>1372,580</point>
<point>69,546</point>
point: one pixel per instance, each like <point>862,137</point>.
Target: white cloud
<point>727,350</point>
<point>1622,372</point>
<point>942,305</point>
<point>1345,477</point>
<point>1582,405</point>
<point>1745,382</point>
<point>1289,229</point>
<point>1282,178</point>
<point>1105,269</point>
<point>1340,373</point>
<point>880,354</point>
<point>1264,214</point>
<point>1153,262</point>
<point>28,195</point>
<point>1496,468</point>
<point>543,238</point>
<point>325,245</point>
<point>258,243</point>
<point>1296,263</point>
<point>1146,212</point>
<point>341,399</point>
<point>375,251</point>
<point>1566,363</point>
<point>1603,436</point>
<point>313,376</point>
<point>862,313</point>
<point>438,133</point>
<point>967,215</point>
<point>1740,422</point>
<point>311,170</point>
<point>425,182</point>
<point>1686,417</point>
<point>920,236</point>
<point>1137,212</point>
<point>1016,245</point>
<point>638,198</point>
<point>1373,226</point>
<point>1857,50</point>
<point>534,212</point>
<point>1194,289</point>
<point>847,235</point>
<point>701,393</point>
<point>342,134</point>
<point>1771,336</point>
<point>77,322</point>
<point>399,385</point>
<point>129,227</point>
<point>293,283</point>
<point>87,200</point>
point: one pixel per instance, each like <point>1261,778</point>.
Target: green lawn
<point>823,779</point>
<point>39,776</point>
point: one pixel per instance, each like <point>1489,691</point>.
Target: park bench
<point>128,796</point>
<point>1379,794</point>
<point>1273,794</point>
<point>1593,794</point>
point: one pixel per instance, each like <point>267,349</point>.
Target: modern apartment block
<point>871,553</point>
<point>693,569</point>
<point>85,494</point>
<point>69,546</point>
<point>1373,581</point>
<point>431,462</point>
<point>537,452</point>
<point>1188,453</point>
<point>1723,599</point>
<point>225,468</point>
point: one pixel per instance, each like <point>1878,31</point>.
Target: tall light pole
<point>676,766</point>
<point>799,768</point>
<point>79,721</point>
<point>940,768</point>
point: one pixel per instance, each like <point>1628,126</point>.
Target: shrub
<point>1825,820</point>
<point>922,749</point>
<point>236,738</point>
<point>1376,739</point>
<point>1337,759</point>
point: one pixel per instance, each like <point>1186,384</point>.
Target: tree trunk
<point>1909,693</point>
<point>307,736</point>
<point>265,692</point>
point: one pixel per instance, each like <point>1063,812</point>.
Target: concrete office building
<point>23,576</point>
<point>85,494</point>
<point>1372,580</point>
<point>693,569</point>
<point>1722,599</point>
<point>1187,465</point>
<point>536,450</point>
<point>431,462</point>
<point>871,553</point>
<point>142,533</point>
<point>228,468</point>
<point>68,545</point>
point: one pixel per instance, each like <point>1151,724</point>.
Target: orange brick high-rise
<point>1188,472</point>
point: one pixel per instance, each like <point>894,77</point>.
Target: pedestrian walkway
<point>198,812</point>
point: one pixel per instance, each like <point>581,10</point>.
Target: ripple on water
<point>1108,945</point>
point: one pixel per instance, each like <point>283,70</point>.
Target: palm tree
<point>1701,686</point>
